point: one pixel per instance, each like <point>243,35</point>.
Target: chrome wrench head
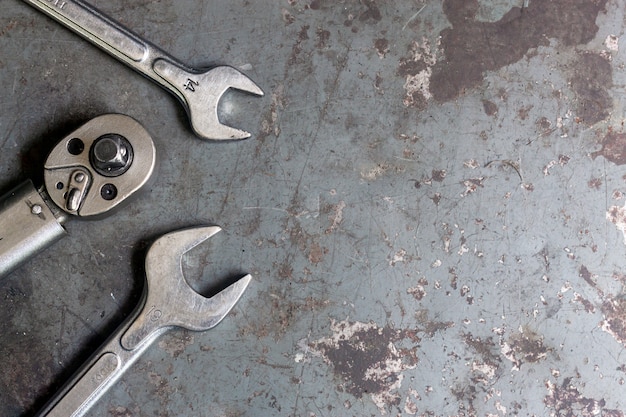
<point>199,91</point>
<point>200,94</point>
<point>170,301</point>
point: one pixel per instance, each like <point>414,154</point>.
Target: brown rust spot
<point>316,253</point>
<point>285,307</point>
<point>524,347</point>
<point>382,46</point>
<point>566,400</point>
<point>372,12</point>
<point>323,36</point>
<point>438,175</point>
<point>490,108</point>
<point>591,77</point>
<point>543,125</point>
<point>296,49</point>
<point>120,411</point>
<point>613,148</point>
<point>589,278</point>
<point>594,183</point>
<point>315,5</point>
<point>353,358</point>
<point>368,359</point>
<point>614,311</point>
<point>486,348</point>
<point>175,345</point>
<point>523,112</point>
<point>473,47</point>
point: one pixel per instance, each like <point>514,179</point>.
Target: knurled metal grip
<point>27,225</point>
<point>99,165</point>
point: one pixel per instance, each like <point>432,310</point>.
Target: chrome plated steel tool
<point>198,90</point>
<point>91,171</point>
<point>168,302</point>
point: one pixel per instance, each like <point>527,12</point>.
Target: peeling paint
<point>372,173</point>
<point>472,47</point>
<point>417,70</point>
<point>590,82</point>
<point>617,216</point>
<point>565,399</point>
<point>613,148</point>
<point>524,347</point>
<point>370,360</point>
<point>336,217</point>
<point>612,43</point>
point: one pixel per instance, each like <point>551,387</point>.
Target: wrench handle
<point>27,226</point>
<point>108,35</point>
<point>99,373</point>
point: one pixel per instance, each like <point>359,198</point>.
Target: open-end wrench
<point>199,91</point>
<point>167,302</point>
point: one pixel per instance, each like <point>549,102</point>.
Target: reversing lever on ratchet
<point>87,174</point>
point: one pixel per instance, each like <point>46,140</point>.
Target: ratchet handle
<point>27,226</point>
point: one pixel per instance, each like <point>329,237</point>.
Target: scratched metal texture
<point>431,205</point>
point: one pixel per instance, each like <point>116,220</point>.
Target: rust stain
<point>566,400</point>
<point>591,77</point>
<point>335,217</point>
<point>419,291</point>
<point>438,175</point>
<point>382,47</point>
<point>8,27</point>
<point>288,18</point>
<point>473,47</point>
<point>322,38</point>
<point>122,412</point>
<point>524,347</point>
<point>485,365</point>
<point>490,108</point>
<point>613,307</point>
<point>416,69</point>
<point>371,13</point>
<point>367,360</point>
<point>471,185</point>
<point>595,183</point>
<point>285,309</point>
<point>523,112</point>
<point>316,253</point>
<point>614,323</point>
<point>370,360</point>
<point>589,278</point>
<point>174,346</point>
<point>617,216</point>
<point>296,49</point>
<point>613,148</point>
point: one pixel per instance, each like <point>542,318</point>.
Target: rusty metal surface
<point>431,205</point>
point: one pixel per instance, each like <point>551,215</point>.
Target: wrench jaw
<point>167,288</point>
<point>201,92</point>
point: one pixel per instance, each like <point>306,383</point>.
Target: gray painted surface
<point>431,205</point>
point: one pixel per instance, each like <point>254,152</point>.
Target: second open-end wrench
<point>199,91</point>
<point>168,302</point>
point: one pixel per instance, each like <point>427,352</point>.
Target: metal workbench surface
<point>432,206</point>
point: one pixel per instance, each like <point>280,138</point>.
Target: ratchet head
<point>170,301</point>
<point>200,93</point>
<point>99,165</point>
